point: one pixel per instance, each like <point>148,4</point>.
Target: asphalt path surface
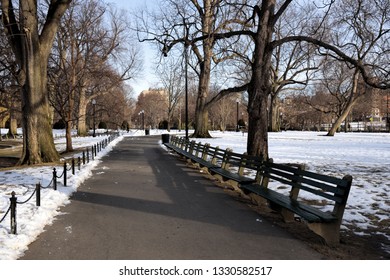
<point>144,203</point>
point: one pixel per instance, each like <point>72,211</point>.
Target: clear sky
<point>146,79</point>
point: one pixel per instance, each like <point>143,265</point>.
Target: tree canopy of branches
<point>92,55</point>
<point>192,24</point>
<point>259,21</point>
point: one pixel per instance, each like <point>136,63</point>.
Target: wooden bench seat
<point>307,212</point>
<point>325,189</point>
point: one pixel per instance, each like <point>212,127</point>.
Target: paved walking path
<point>144,203</point>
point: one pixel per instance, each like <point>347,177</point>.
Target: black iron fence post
<point>38,194</point>
<point>13,200</point>
<point>87,155</point>
<point>79,163</point>
<point>73,166</point>
<point>65,174</point>
<point>83,157</point>
<point>54,179</point>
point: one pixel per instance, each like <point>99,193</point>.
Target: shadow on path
<point>144,203</point>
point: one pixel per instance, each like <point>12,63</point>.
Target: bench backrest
<point>198,149</point>
<point>214,154</point>
<point>327,187</point>
<point>243,162</point>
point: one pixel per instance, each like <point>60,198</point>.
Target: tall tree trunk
<point>82,113</point>
<point>69,123</point>
<point>274,114</point>
<point>31,43</point>
<point>341,118</point>
<point>257,143</point>
<point>71,100</point>
<point>201,119</point>
<point>169,122</point>
<point>348,106</point>
<point>260,86</point>
<point>13,124</point>
<point>201,111</point>
<point>201,114</point>
<point>38,141</point>
<point>37,127</point>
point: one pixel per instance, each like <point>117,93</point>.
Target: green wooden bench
<point>188,149</point>
<point>253,176</point>
<point>202,155</point>
<point>176,144</point>
<point>305,189</point>
<point>225,165</point>
<point>236,169</point>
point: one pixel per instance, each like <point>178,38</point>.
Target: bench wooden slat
<point>309,213</point>
<point>316,176</point>
<point>307,188</point>
<point>304,178</point>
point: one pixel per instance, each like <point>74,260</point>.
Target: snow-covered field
<point>364,156</point>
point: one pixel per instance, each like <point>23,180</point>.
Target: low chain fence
<point>70,165</point>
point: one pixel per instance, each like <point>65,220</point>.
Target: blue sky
<point>147,79</point>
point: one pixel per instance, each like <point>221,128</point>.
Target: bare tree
<point>298,115</point>
<point>293,64</point>
<point>9,89</point>
<point>31,43</point>
<point>172,78</point>
<point>94,54</point>
<point>344,87</point>
<point>111,109</point>
<point>258,22</point>
<point>153,104</point>
<point>223,114</point>
<point>192,23</point>
<point>264,18</point>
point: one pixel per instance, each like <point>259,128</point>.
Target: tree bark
<point>82,114</point>
<point>38,141</point>
<point>260,85</point>
<point>348,107</point>
<point>274,114</point>
<point>201,114</point>
<point>201,119</point>
<point>31,44</point>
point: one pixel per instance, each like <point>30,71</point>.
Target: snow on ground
<point>30,218</point>
<point>364,156</point>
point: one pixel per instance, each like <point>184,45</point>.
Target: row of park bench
<point>252,176</point>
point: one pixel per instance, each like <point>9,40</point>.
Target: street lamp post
<point>387,112</point>
<point>143,119</point>
<point>94,117</point>
<point>180,117</point>
<point>186,81</point>
<point>237,126</point>
<point>165,51</point>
